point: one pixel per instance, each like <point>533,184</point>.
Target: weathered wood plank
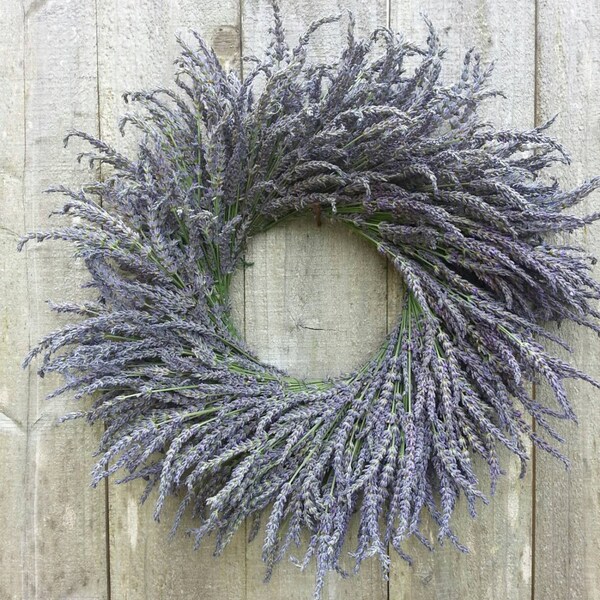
<point>315,297</point>
<point>52,523</point>
<point>137,47</point>
<point>315,306</point>
<point>567,528</point>
<point>14,381</point>
<point>499,564</point>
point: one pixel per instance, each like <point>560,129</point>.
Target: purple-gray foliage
<point>403,160</point>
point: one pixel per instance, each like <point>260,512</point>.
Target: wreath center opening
<point>312,299</point>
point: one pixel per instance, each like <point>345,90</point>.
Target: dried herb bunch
<point>455,204</point>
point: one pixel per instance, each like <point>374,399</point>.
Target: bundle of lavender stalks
<point>376,141</point>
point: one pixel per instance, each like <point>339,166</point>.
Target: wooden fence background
<point>316,301</point>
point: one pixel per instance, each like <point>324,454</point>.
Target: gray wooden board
<point>136,49</point>
<point>567,524</point>
<point>315,305</point>
<point>14,382</point>
<point>55,524</point>
<point>499,564</point>
<point>315,297</point>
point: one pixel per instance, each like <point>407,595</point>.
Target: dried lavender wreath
<point>405,161</point>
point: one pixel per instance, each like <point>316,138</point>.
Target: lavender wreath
<point>456,205</point>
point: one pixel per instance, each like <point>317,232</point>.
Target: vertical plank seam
<point>25,575</point>
<point>107,538</point>
<point>99,128</point>
<point>241,44</point>
<point>99,120</point>
<point>533,386</point>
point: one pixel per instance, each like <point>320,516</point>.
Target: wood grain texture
<point>136,49</point>
<point>499,563</point>
<point>567,531</point>
<point>315,296</point>
<point>14,382</point>
<point>53,522</point>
